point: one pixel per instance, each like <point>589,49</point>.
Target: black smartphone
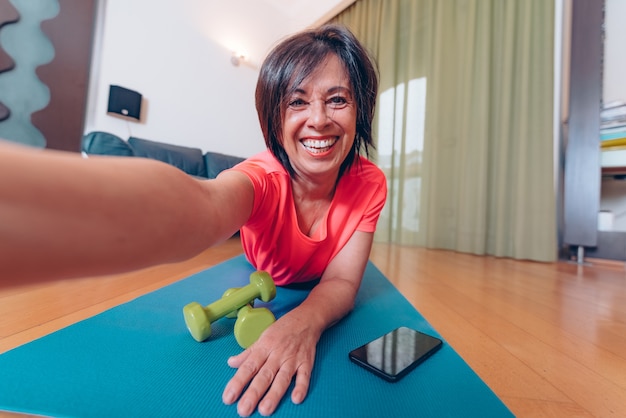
<point>396,353</point>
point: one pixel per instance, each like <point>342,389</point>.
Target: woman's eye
<point>296,103</point>
<point>337,101</point>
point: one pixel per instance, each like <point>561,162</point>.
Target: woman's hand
<point>286,349</point>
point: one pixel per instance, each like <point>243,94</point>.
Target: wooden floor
<point>549,339</point>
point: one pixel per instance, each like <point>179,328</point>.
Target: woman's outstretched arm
<point>64,216</point>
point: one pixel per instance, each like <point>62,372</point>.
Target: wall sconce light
<point>237,58</point>
<point>125,102</point>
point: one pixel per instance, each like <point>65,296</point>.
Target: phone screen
<point>396,353</point>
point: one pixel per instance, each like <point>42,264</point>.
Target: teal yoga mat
<point>138,360</point>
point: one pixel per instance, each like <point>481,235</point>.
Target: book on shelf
<point>613,110</point>
<point>612,157</point>
<point>616,142</point>
<point>613,118</point>
<point>611,134</point>
<point>613,125</point>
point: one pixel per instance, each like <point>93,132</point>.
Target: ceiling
<point>304,13</point>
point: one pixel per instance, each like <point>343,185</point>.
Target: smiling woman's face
<point>319,123</point>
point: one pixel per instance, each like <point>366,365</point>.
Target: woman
<point>306,208</point>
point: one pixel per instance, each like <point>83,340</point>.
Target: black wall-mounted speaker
<point>124,102</point>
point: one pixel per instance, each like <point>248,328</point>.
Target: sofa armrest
<point>216,163</point>
<point>188,159</point>
<point>104,143</point>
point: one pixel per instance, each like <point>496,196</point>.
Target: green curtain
<point>464,122</point>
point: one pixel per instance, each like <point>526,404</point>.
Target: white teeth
<point>317,146</point>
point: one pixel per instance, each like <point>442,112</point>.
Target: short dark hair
<point>292,61</point>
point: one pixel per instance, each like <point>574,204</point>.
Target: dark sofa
<point>191,160</point>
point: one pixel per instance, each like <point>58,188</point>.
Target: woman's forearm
<point>333,298</point>
<point>328,303</point>
<point>62,215</point>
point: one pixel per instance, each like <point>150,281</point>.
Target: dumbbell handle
<point>232,302</point>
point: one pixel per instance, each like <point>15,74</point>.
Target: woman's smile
<point>319,146</point>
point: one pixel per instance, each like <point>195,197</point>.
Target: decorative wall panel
<point>67,75</point>
<point>46,90</point>
<point>8,14</point>
<point>20,89</point>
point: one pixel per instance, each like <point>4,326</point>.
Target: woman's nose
<point>318,114</point>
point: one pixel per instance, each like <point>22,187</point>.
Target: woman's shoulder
<point>265,172</point>
<point>365,179</point>
<point>264,161</point>
<point>365,170</point>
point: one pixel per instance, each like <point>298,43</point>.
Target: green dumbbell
<point>250,324</point>
<point>233,314</point>
<point>199,318</point>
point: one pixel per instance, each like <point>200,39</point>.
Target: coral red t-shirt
<point>271,238</point>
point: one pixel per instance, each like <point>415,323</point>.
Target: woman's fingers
<point>303,380</point>
<point>235,361</point>
<point>259,386</point>
<point>245,372</point>
<point>278,388</point>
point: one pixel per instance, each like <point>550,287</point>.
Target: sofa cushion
<point>188,159</point>
<point>216,163</point>
<point>104,143</point>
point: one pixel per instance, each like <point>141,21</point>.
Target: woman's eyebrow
<point>341,89</point>
<point>330,90</point>
<point>336,89</point>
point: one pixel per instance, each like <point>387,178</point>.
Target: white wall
<point>177,53</point>
<point>192,94</point>
<point>614,85</point>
